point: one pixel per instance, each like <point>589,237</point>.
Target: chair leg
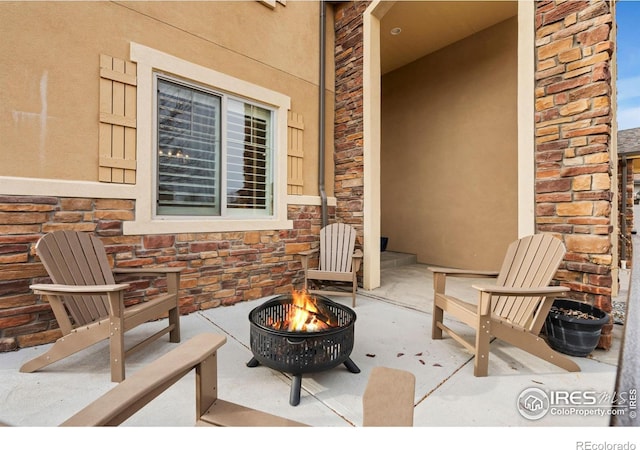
<point>481,361</point>
<point>353,292</point>
<point>173,287</point>
<point>174,319</point>
<point>483,337</point>
<point>116,350</point>
<point>206,384</point>
<point>437,316</point>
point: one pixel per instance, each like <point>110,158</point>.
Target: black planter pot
<point>572,335</point>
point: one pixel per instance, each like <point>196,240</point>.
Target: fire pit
<point>298,334</point>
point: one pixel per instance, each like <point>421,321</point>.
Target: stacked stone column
<point>349,153</point>
<point>574,164</point>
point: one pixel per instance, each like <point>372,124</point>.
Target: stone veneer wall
<point>219,268</point>
<point>348,128</point>
<point>574,163</point>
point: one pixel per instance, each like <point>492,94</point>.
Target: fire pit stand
<point>300,352</point>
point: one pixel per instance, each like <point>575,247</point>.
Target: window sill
<point>204,226</point>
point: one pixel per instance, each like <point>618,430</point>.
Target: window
<point>248,157</point>
<point>227,170</point>
<point>214,153</point>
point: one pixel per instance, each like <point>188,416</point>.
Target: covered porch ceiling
<point>427,26</point>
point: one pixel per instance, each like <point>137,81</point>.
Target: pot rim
<point>580,306</point>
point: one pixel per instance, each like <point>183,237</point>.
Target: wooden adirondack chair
<point>198,353</point>
<point>514,309</point>
<point>388,398</point>
<point>85,289</point>
<point>337,261</point>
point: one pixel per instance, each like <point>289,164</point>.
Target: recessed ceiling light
<point>396,31</point>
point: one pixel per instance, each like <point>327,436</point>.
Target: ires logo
<point>535,403</point>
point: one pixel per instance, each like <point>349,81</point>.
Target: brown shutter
<point>117,138</point>
<point>295,153</point>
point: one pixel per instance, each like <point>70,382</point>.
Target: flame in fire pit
<point>306,314</point>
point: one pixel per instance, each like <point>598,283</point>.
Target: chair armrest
<point>124,400</point>
<point>60,289</point>
<point>305,254</point>
<point>522,292</point>
<point>357,260</point>
<point>469,273</point>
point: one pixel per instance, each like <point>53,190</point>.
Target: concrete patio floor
<point>392,329</point>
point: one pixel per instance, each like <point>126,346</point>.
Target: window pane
<point>249,155</point>
<point>188,151</point>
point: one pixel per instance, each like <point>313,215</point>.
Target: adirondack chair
<point>198,353</point>
<point>388,399</point>
<point>514,309</point>
<point>85,289</point>
<point>338,262</point>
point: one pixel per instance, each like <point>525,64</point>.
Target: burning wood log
<point>305,314</point>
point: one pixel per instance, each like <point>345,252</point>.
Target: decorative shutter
<point>295,153</point>
<point>117,138</point>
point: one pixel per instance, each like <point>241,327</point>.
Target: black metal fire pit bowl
<point>299,352</point>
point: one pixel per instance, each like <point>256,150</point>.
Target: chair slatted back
<point>337,243</point>
<point>530,262</point>
<point>78,259</point>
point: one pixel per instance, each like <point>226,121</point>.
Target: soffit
<point>428,26</point>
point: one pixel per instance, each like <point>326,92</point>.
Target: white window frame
<point>150,62</point>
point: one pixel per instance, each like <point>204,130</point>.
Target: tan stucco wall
<point>449,152</point>
<point>49,84</point>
